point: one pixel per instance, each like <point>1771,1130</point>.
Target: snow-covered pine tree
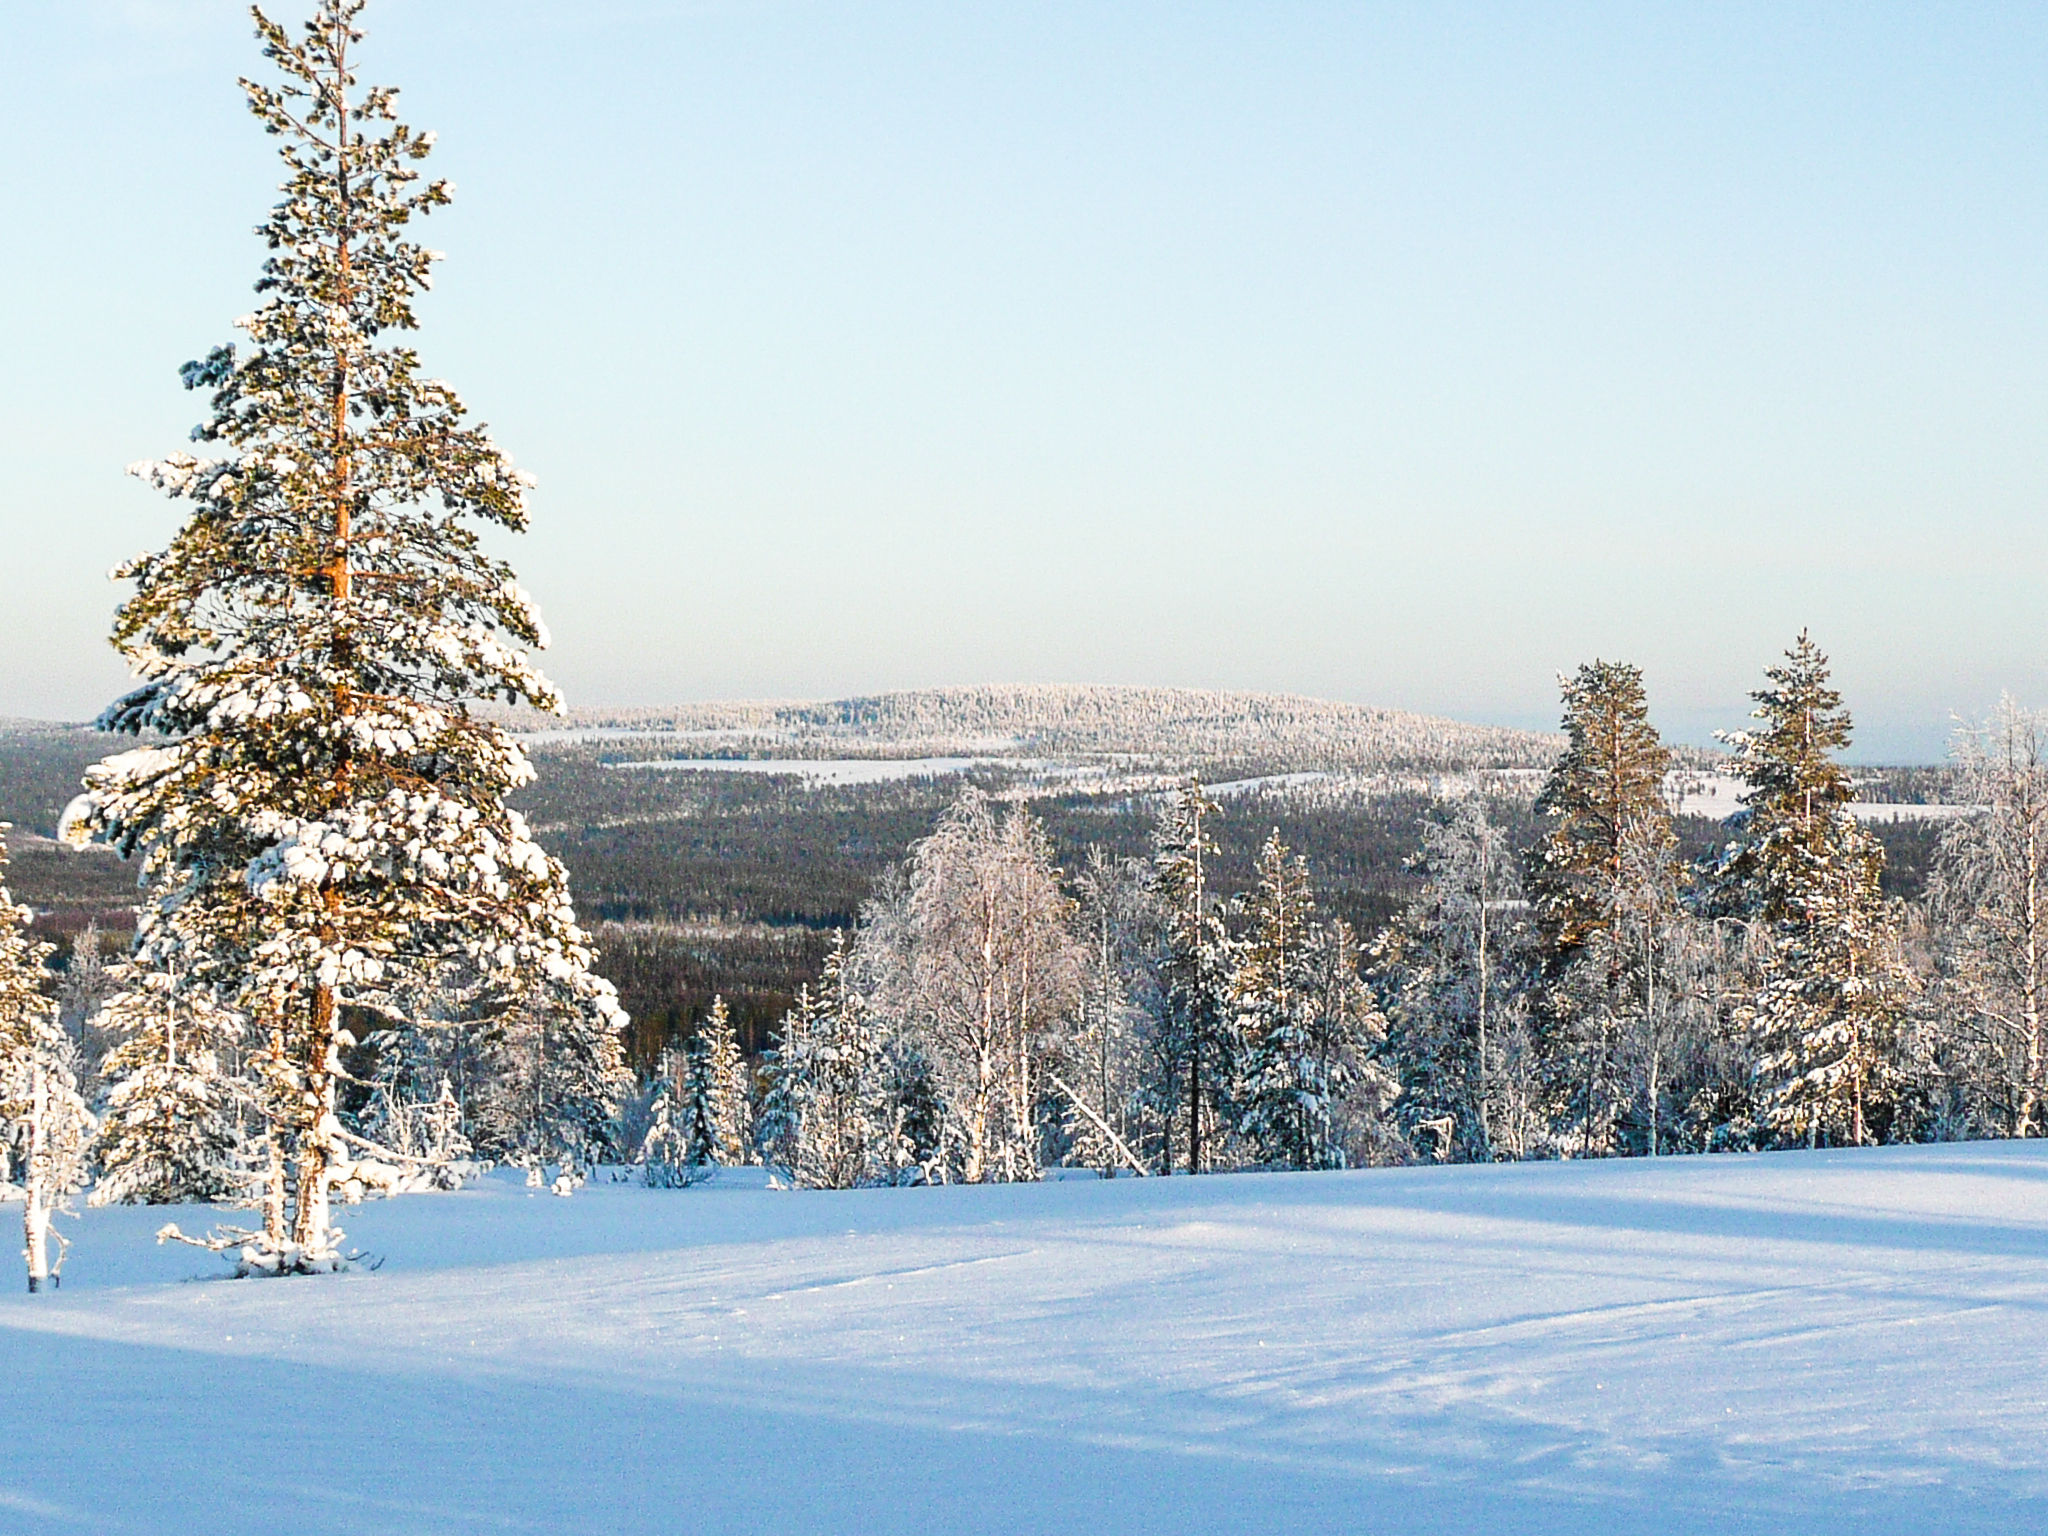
<point>1989,889</point>
<point>326,806</point>
<point>786,1070</point>
<point>696,1106</point>
<point>45,1128</point>
<point>831,1121</point>
<point>1606,824</point>
<point>1285,1102</point>
<point>1825,1017</point>
<point>668,1158</point>
<point>1345,1049</point>
<point>1608,785</point>
<point>732,1105</point>
<point>169,1128</point>
<point>1195,1035</point>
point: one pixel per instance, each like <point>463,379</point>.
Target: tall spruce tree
<point>1284,1099</point>
<point>1607,788</point>
<point>1607,828</point>
<point>325,822</point>
<point>731,1104</point>
<point>1825,1016</point>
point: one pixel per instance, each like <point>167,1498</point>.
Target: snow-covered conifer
<point>328,810</point>
<point>45,1128</point>
<point>830,1119</point>
<point>731,1102</point>
<point>1606,788</point>
<point>669,1159</point>
<point>169,1128</point>
<point>1826,1015</point>
<point>1284,1101</point>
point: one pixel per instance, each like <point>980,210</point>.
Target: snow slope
<point>1814,1342</point>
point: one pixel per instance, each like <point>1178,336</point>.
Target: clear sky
<point>1399,353</point>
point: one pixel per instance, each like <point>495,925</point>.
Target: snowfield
<point>1846,1341</point>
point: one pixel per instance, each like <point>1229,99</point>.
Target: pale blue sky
<point>1404,354</point>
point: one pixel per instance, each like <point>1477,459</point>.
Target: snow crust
<point>1846,1341</point>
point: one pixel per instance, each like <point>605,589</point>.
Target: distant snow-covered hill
<point>1054,721</point>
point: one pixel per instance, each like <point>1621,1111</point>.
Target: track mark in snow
<point>896,1274</point>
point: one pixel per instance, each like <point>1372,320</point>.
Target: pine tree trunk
<point>310,1228</point>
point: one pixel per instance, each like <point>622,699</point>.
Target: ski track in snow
<point>1845,1341</point>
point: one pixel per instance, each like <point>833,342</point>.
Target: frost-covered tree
<point>1103,1073</point>
<point>841,1090</point>
<point>1989,891</point>
<point>1284,1104</point>
<point>169,1130</point>
<point>45,1127</point>
<point>986,975</point>
<point>1311,1096</point>
<point>732,1104</point>
<point>554,1081</point>
<point>88,981</point>
<point>1455,968</point>
<point>325,817</point>
<point>671,1157</point>
<point>1604,793</point>
<point>1602,880</point>
<point>1825,1017</point>
<point>1195,1038</point>
<point>415,1107</point>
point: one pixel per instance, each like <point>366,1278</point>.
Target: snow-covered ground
<point>830,770</point>
<point>1718,796</point>
<point>1797,1342</point>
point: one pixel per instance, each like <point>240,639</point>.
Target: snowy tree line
<point>1594,994</point>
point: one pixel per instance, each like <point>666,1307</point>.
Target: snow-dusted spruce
<point>45,1127</point>
<point>829,1120</point>
<point>1305,1023</point>
<point>1825,1017</point>
<point>732,1106</point>
<point>1602,882</point>
<point>324,823</point>
<point>168,1128</point>
<point>1103,1076</point>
